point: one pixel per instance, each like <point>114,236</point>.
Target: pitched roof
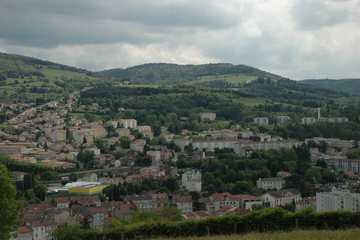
<point>245,196</point>
<point>201,213</point>
<point>222,196</point>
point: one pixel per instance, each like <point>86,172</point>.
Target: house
<point>270,183</point>
<point>283,174</point>
<point>190,174</point>
<point>246,152</point>
<point>142,202</point>
<point>97,215</point>
<point>90,177</point>
<point>43,229</point>
<point>225,210</point>
<point>261,120</point>
<point>282,197</point>
<point>19,176</point>
<point>218,200</point>
<point>61,202</point>
<point>193,185</point>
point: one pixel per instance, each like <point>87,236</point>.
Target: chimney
<point>318,113</point>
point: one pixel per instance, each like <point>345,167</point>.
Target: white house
<point>190,174</point>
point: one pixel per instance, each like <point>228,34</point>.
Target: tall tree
<point>10,207</point>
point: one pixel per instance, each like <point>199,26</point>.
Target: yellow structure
<point>88,190</point>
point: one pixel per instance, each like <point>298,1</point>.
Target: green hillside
<point>345,85</point>
<point>25,78</point>
<point>163,73</point>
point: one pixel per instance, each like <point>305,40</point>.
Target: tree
<point>40,191</point>
<point>46,176</point>
<point>10,207</point>
<point>171,184</point>
<point>85,223</point>
<point>110,173</point>
<point>195,195</point>
<point>73,177</point>
<point>209,177</point>
<point>313,173</point>
<point>257,207</point>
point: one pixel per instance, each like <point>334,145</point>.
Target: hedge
<point>267,220</point>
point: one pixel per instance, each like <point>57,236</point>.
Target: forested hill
<point>345,85</point>
<point>160,73</point>
<point>16,66</point>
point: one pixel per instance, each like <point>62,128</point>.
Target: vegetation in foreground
<point>298,234</point>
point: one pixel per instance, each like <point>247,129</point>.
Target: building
<point>209,115</point>
<point>332,119</point>
<point>282,197</point>
<point>246,201</point>
<point>127,123</point>
<point>123,131</point>
<point>270,183</point>
<point>190,174</point>
<point>12,149</point>
<point>90,177</point>
<point>349,165</point>
<point>282,119</point>
<point>212,144</point>
<point>218,200</point>
<point>193,185</point>
<point>89,189</point>
<point>246,152</point>
<point>337,199</point>
<point>59,135</point>
<point>261,120</point>
<point>307,120</point>
<point>181,142</point>
<point>42,229</point>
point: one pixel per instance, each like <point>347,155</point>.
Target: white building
<point>181,142</point>
<point>190,174</point>
<point>282,119</point>
<point>337,200</point>
<point>193,185</point>
<point>209,115</point>
<point>307,120</point>
<point>126,123</point>
<point>349,165</point>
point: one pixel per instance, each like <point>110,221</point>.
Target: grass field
<point>296,235</point>
<point>141,85</point>
<point>233,78</point>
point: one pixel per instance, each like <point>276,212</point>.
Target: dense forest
<point>159,73</point>
<point>345,85</point>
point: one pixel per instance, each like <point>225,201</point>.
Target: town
<point>71,168</point>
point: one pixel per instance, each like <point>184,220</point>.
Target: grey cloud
<point>50,23</point>
<point>313,15</point>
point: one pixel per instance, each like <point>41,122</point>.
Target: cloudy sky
<point>299,39</point>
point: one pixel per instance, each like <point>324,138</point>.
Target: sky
<point>298,39</point>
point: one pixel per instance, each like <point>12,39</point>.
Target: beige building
<point>90,177</point>
<point>123,131</point>
<point>59,135</point>
<point>12,150</point>
<point>282,197</point>
<point>126,123</point>
<point>270,183</point>
<point>307,120</point>
<point>282,119</point>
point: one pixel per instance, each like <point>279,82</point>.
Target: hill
<point>345,85</point>
<point>25,78</point>
<point>164,73</point>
